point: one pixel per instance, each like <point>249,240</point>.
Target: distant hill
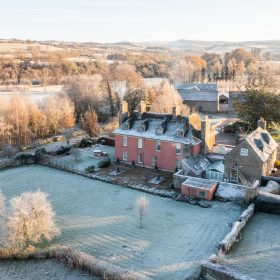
<point>272,46</point>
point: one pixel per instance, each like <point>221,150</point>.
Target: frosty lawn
<point>102,219</point>
<point>258,252</point>
<point>40,270</point>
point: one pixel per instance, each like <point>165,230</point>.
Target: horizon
<point>109,21</point>
<point>139,42</point>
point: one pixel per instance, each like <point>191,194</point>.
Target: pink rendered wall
<point>166,157</point>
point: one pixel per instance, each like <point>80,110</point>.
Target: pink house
<point>152,139</point>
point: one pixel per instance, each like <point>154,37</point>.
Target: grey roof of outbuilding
<point>155,120</point>
<point>197,164</point>
<point>200,183</point>
<point>217,166</point>
<point>268,149</point>
<point>198,95</point>
<point>201,87</point>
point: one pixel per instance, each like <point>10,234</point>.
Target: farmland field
<point>258,252</point>
<point>102,219</point>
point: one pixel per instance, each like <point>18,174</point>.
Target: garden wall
<point>210,271</point>
<point>227,243</point>
<point>178,179</point>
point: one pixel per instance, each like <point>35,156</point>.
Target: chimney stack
<point>124,107</point>
<point>262,123</point>
<point>143,107</point>
<point>207,135</point>
<point>175,112</point>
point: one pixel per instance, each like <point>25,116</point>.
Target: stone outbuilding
<point>203,97</point>
<point>253,158</point>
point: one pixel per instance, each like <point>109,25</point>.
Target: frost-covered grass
<point>86,159</point>
<point>103,220</point>
<point>40,270</point>
<point>258,252</point>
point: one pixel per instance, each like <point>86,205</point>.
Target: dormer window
<point>140,128</point>
<point>160,130</point>
<point>180,133</point>
<point>126,126</point>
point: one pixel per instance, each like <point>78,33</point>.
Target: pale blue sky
<point>140,20</point>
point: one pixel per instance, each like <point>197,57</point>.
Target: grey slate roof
<point>154,121</point>
<point>268,148</point>
<point>198,95</point>
<point>194,86</point>
<point>200,183</point>
<point>216,166</point>
<point>197,164</point>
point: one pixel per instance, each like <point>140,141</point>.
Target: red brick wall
<point>195,149</point>
<point>166,157</point>
<point>188,190</point>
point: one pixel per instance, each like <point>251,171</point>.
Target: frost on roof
<point>168,126</point>
<point>261,147</point>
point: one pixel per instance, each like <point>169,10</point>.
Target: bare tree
<point>143,205</point>
<point>89,122</point>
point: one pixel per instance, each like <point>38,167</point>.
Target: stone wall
<point>210,271</point>
<point>178,179</point>
<point>227,243</point>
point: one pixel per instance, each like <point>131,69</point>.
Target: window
<point>140,158</point>
<point>178,149</point>
<point>140,143</point>
<point>157,145</point>
<point>244,152</point>
<point>124,141</point>
<point>154,161</point>
<point>125,156</point>
<point>180,133</point>
<point>202,194</point>
<point>126,126</point>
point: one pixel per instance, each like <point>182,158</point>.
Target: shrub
<point>277,164</point>
<point>25,158</point>
<point>40,153</point>
<point>63,150</point>
<point>90,169</point>
<point>30,221</point>
<point>104,163</point>
<point>87,142</point>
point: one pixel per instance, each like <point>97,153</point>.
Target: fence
<point>58,163</point>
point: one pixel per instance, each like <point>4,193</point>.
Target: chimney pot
<point>262,123</point>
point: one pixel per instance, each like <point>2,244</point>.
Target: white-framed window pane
<point>140,143</point>
<point>140,158</point>
<point>125,156</point>
<point>178,149</point>
<point>124,141</point>
<point>178,164</point>
<point>157,145</point>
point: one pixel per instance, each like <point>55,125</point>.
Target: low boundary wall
<point>210,271</point>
